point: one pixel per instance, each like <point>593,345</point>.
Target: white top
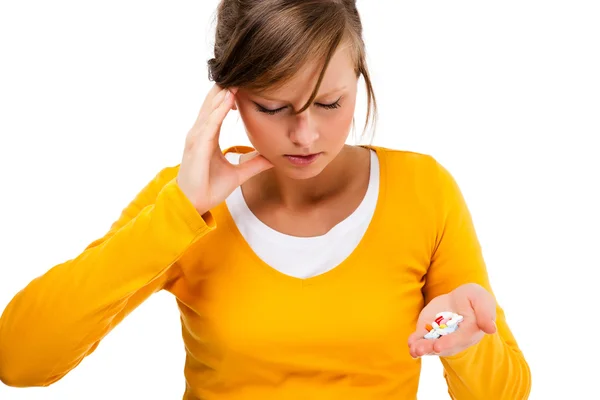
<point>305,257</point>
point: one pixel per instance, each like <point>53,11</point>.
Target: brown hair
<point>260,44</point>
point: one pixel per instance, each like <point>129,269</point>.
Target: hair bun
<point>212,64</point>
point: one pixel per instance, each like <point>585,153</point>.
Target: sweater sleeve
<point>59,318</point>
<point>495,368</point>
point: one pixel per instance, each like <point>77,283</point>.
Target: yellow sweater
<point>251,332</point>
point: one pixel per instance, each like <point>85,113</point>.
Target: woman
<point>303,268</point>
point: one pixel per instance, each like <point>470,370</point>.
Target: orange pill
<point>428,327</point>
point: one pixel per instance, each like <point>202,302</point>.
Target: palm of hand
<point>476,306</point>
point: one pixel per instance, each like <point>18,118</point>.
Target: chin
<point>303,175</point>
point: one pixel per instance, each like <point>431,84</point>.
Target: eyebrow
<point>318,95</point>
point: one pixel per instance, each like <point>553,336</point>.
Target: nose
<point>303,133</point>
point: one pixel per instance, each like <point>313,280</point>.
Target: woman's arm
<point>60,317</point>
<point>495,368</point>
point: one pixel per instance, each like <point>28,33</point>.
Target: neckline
<point>260,265</point>
<point>282,239</point>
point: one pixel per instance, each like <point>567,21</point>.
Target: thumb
<point>484,307</point>
<point>253,165</point>
<point>487,326</point>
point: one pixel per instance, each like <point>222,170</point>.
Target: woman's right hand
<point>205,176</point>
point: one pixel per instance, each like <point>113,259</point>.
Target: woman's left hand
<point>474,303</point>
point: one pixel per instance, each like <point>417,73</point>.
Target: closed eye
<point>266,110</point>
<point>330,106</point>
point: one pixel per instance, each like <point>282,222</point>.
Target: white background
<point>96,97</point>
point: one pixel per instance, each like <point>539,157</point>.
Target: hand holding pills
<point>465,315</point>
<point>445,322</point>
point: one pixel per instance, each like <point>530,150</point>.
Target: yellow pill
<point>442,326</point>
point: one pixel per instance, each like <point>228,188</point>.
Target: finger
<point>484,307</point>
<point>478,305</point>
<point>213,99</point>
<point>206,106</point>
<point>218,99</point>
<point>210,96</point>
<point>217,116</point>
<point>417,335</point>
<point>422,347</point>
<point>476,300</point>
<point>205,110</point>
<point>252,166</point>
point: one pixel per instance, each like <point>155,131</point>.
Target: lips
<point>302,159</point>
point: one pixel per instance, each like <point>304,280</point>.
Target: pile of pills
<point>445,322</point>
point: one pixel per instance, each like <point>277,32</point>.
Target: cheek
<point>339,125</point>
<point>258,127</point>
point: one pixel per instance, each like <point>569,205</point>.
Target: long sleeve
<point>59,318</point>
<point>495,368</point>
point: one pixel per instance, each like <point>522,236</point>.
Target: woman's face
<point>300,146</point>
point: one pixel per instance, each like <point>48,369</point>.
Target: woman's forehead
<point>338,76</point>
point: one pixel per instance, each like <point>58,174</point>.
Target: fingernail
<point>227,95</point>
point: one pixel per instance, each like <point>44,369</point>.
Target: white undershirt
<point>305,257</point>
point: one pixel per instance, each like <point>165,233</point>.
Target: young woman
<point>304,268</point>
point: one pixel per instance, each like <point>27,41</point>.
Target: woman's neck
<point>276,189</point>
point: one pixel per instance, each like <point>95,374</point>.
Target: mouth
<point>302,159</point>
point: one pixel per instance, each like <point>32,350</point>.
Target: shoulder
<point>422,174</point>
<point>403,163</point>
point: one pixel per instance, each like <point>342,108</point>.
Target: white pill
<point>432,335</point>
<point>451,329</point>
<point>435,325</point>
<point>444,314</point>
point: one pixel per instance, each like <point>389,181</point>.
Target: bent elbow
<point>15,373</point>
<point>519,386</point>
<point>18,379</point>
<point>524,387</point>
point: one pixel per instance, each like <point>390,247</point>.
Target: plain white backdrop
<point>97,97</point>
